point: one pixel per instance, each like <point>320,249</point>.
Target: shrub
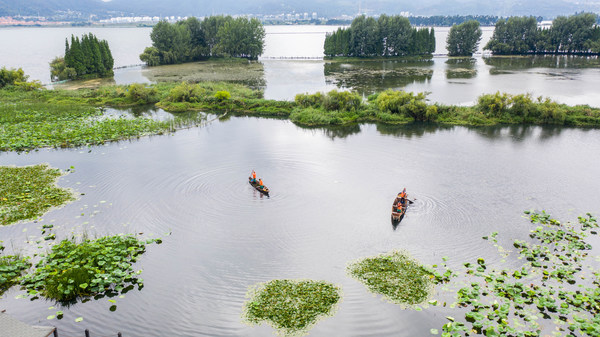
<point>406,103</point>
<point>523,105</point>
<point>222,95</point>
<point>308,100</point>
<point>12,77</point>
<point>186,92</point>
<point>494,105</point>
<point>332,101</point>
<point>141,94</point>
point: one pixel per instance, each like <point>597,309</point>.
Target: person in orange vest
<point>260,184</point>
<point>402,196</point>
<point>253,176</point>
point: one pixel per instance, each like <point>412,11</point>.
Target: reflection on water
<point>417,129</point>
<point>541,61</point>
<point>333,132</point>
<point>461,67</point>
<point>369,76</point>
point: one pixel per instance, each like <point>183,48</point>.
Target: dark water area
<point>331,192</point>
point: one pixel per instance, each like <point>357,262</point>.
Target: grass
<point>395,276</point>
<point>28,192</point>
<point>291,306</point>
<point>96,268</point>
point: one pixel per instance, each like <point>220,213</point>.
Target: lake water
<point>331,192</point>
<point>292,63</point>
<point>329,205</point>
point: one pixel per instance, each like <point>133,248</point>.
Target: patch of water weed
<point>11,269</point>
<point>292,307</point>
<point>30,191</point>
<point>33,125</point>
<point>74,271</point>
<point>397,277</point>
<point>556,291</point>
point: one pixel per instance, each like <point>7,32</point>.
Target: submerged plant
<point>28,192</point>
<point>397,277</point>
<point>291,306</point>
<point>73,271</point>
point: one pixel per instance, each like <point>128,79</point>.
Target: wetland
<point>329,201</point>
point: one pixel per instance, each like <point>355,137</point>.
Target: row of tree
<point>384,37</point>
<point>192,40</point>
<point>88,57</point>
<point>576,34</point>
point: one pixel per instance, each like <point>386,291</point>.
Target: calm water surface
<point>330,204</point>
<point>292,63</point>
<point>331,188</point>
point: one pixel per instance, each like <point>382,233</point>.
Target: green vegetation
<point>463,39</point>
<point>577,34</point>
<point>194,40</point>
<point>28,192</point>
<point>11,269</point>
<point>385,37</point>
<point>397,277</point>
<point>33,119</point>
<point>16,78</point>
<point>557,283</point>
<point>58,118</point>
<point>291,306</point>
<point>93,268</point>
<point>85,58</point>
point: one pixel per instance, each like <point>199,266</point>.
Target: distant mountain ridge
<point>546,8</point>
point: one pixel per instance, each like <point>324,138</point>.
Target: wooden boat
<point>255,185</point>
<point>398,213</point>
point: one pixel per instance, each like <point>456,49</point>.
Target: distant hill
<point>330,8</point>
<point>49,7</point>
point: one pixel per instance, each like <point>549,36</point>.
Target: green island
<point>292,307</point>
<point>28,192</point>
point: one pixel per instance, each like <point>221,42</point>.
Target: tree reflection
<point>461,67</point>
<point>369,76</point>
<point>333,132</point>
<point>540,61</point>
<point>416,129</point>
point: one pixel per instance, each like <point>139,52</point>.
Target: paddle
<point>411,201</point>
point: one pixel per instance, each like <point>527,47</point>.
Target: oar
<point>411,201</point>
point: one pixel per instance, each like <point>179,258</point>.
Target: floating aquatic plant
<point>550,294</point>
<point>96,268</point>
<point>28,192</point>
<point>291,306</point>
<point>397,277</point>
<point>11,269</point>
